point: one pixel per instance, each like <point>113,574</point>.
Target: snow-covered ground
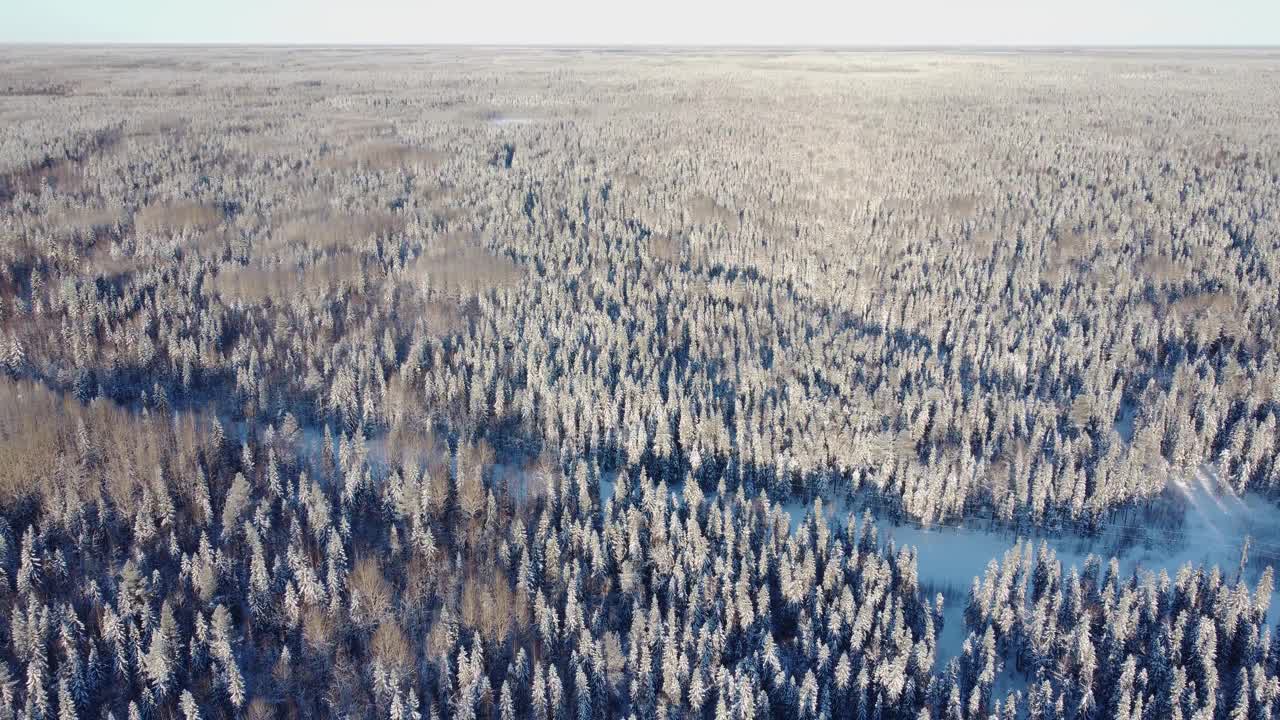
<point>1124,423</point>
<point>1216,523</point>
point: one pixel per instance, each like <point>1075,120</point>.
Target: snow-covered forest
<point>533,383</point>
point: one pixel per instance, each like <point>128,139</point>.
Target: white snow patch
<point>1216,523</point>
<point>1124,421</point>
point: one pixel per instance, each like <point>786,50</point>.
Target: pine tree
<point>1240,707</point>
<point>235,505</point>
<point>582,689</point>
<point>15,357</point>
<point>7,682</point>
<point>697,691</point>
<point>537,694</point>
<point>259,580</point>
<point>158,663</point>
<point>220,629</point>
<point>37,706</point>
<point>506,704</point>
<point>66,705</point>
<point>29,564</point>
<point>190,710</point>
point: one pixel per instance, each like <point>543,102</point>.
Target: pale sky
<point>606,22</point>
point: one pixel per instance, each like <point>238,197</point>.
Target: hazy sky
<point>845,22</point>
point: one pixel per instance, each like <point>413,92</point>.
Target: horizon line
<point>643,45</point>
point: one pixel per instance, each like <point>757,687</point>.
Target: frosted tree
<point>66,704</point>
<point>190,709</point>
<point>15,357</point>
<point>29,563</point>
<point>158,663</point>
<point>235,504</point>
